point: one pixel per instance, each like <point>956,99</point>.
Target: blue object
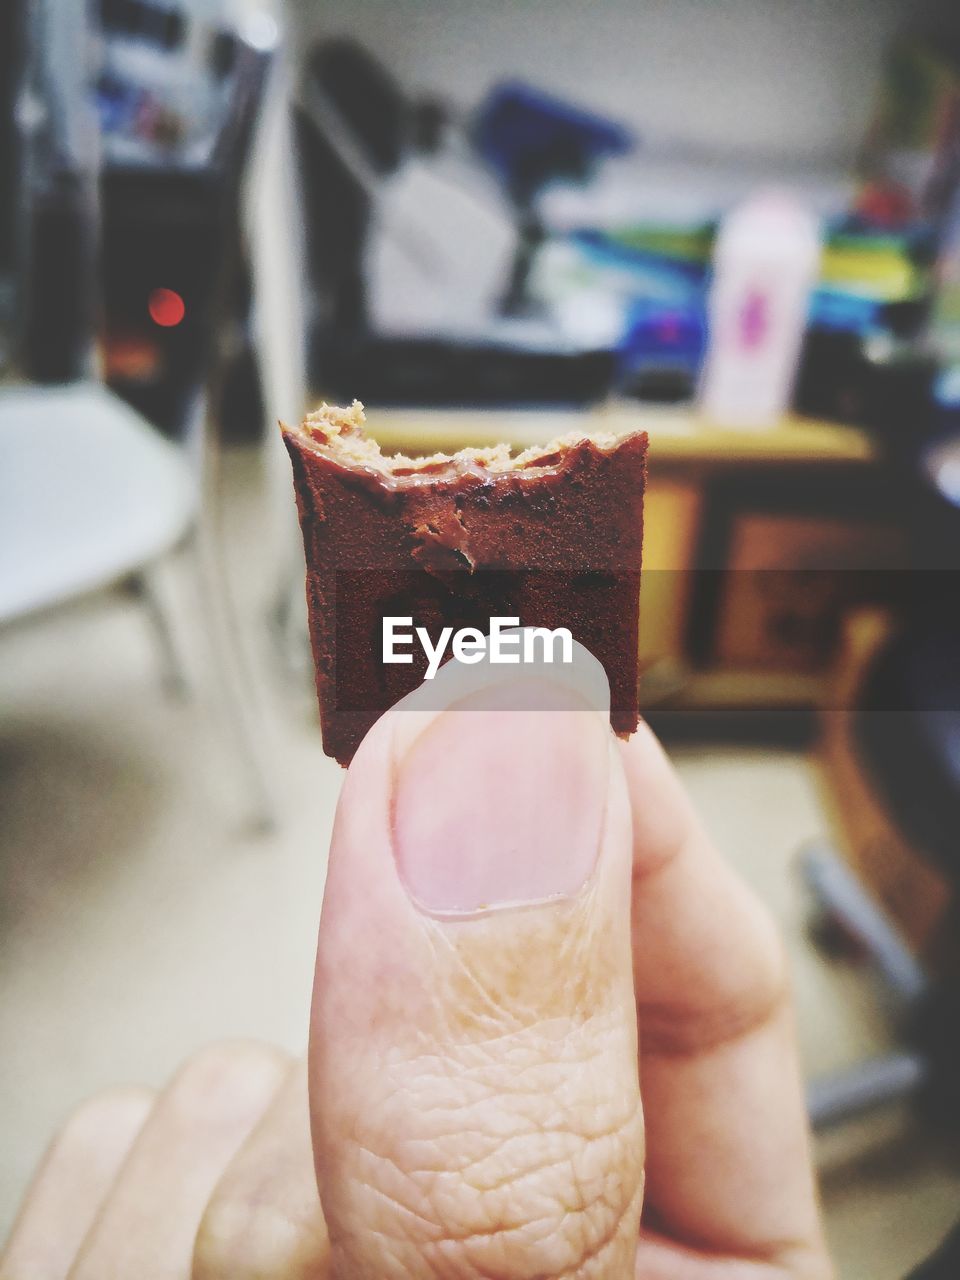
<point>665,320</point>
<point>530,138</point>
<point>663,336</point>
<point>682,284</point>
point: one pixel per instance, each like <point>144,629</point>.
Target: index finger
<point>728,1156</point>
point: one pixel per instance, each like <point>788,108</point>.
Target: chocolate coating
<point>553,537</point>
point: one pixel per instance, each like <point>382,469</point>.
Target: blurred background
<point>734,225</point>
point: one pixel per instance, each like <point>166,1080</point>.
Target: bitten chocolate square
<point>551,536</point>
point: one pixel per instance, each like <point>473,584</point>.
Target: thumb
<point>475,1100</point>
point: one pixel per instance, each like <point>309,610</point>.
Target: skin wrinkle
<point>585,1259</point>
<point>532,1057</point>
<point>371,1185</point>
<point>516,1015</point>
<point>429,1225</point>
<point>671,1028</point>
<point>439,941</point>
<point>518,1172</point>
<point>793,1261</point>
<point>784,1254</point>
<point>495,1224</point>
<point>566,968</point>
<point>665,1035</point>
<point>501,1079</point>
<point>513,1181</point>
<point>521,1137</point>
<point>514,1081</point>
<point>707,1266</point>
<point>586,1256</point>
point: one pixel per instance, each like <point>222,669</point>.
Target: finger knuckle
<point>744,984</point>
<point>238,1240</point>
<point>102,1112</point>
<point>752,991</point>
<point>223,1075</point>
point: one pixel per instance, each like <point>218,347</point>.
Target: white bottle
<point>766,263</point>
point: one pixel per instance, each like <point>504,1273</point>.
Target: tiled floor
<point>137,921</point>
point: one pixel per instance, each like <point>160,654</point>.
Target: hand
<point>510,895</point>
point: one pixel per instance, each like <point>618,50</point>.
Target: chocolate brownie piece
<point>551,536</point>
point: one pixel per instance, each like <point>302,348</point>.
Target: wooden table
<point>677,436</point>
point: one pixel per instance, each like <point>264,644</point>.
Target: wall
<point>789,77</point>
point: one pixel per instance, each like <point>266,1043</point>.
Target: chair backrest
<point>58,172</point>
<point>172,225</point>
<point>12,70</point>
<point>229,165</point>
<point>353,124</point>
<point>62,280</point>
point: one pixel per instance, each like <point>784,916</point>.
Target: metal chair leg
<point>290,619</point>
<point>844,1094</point>
<point>835,887</point>
<point>241,692</point>
<point>173,671</point>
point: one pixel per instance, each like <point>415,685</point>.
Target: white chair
<point>90,496</point>
<point>89,493</point>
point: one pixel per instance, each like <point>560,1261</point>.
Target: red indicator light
<point>166,308</point>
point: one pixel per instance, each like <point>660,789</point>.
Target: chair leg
<point>290,619</point>
<point>838,891</point>
<point>173,672</point>
<point>840,1096</point>
<point>241,694</point>
<point>901,1073</point>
